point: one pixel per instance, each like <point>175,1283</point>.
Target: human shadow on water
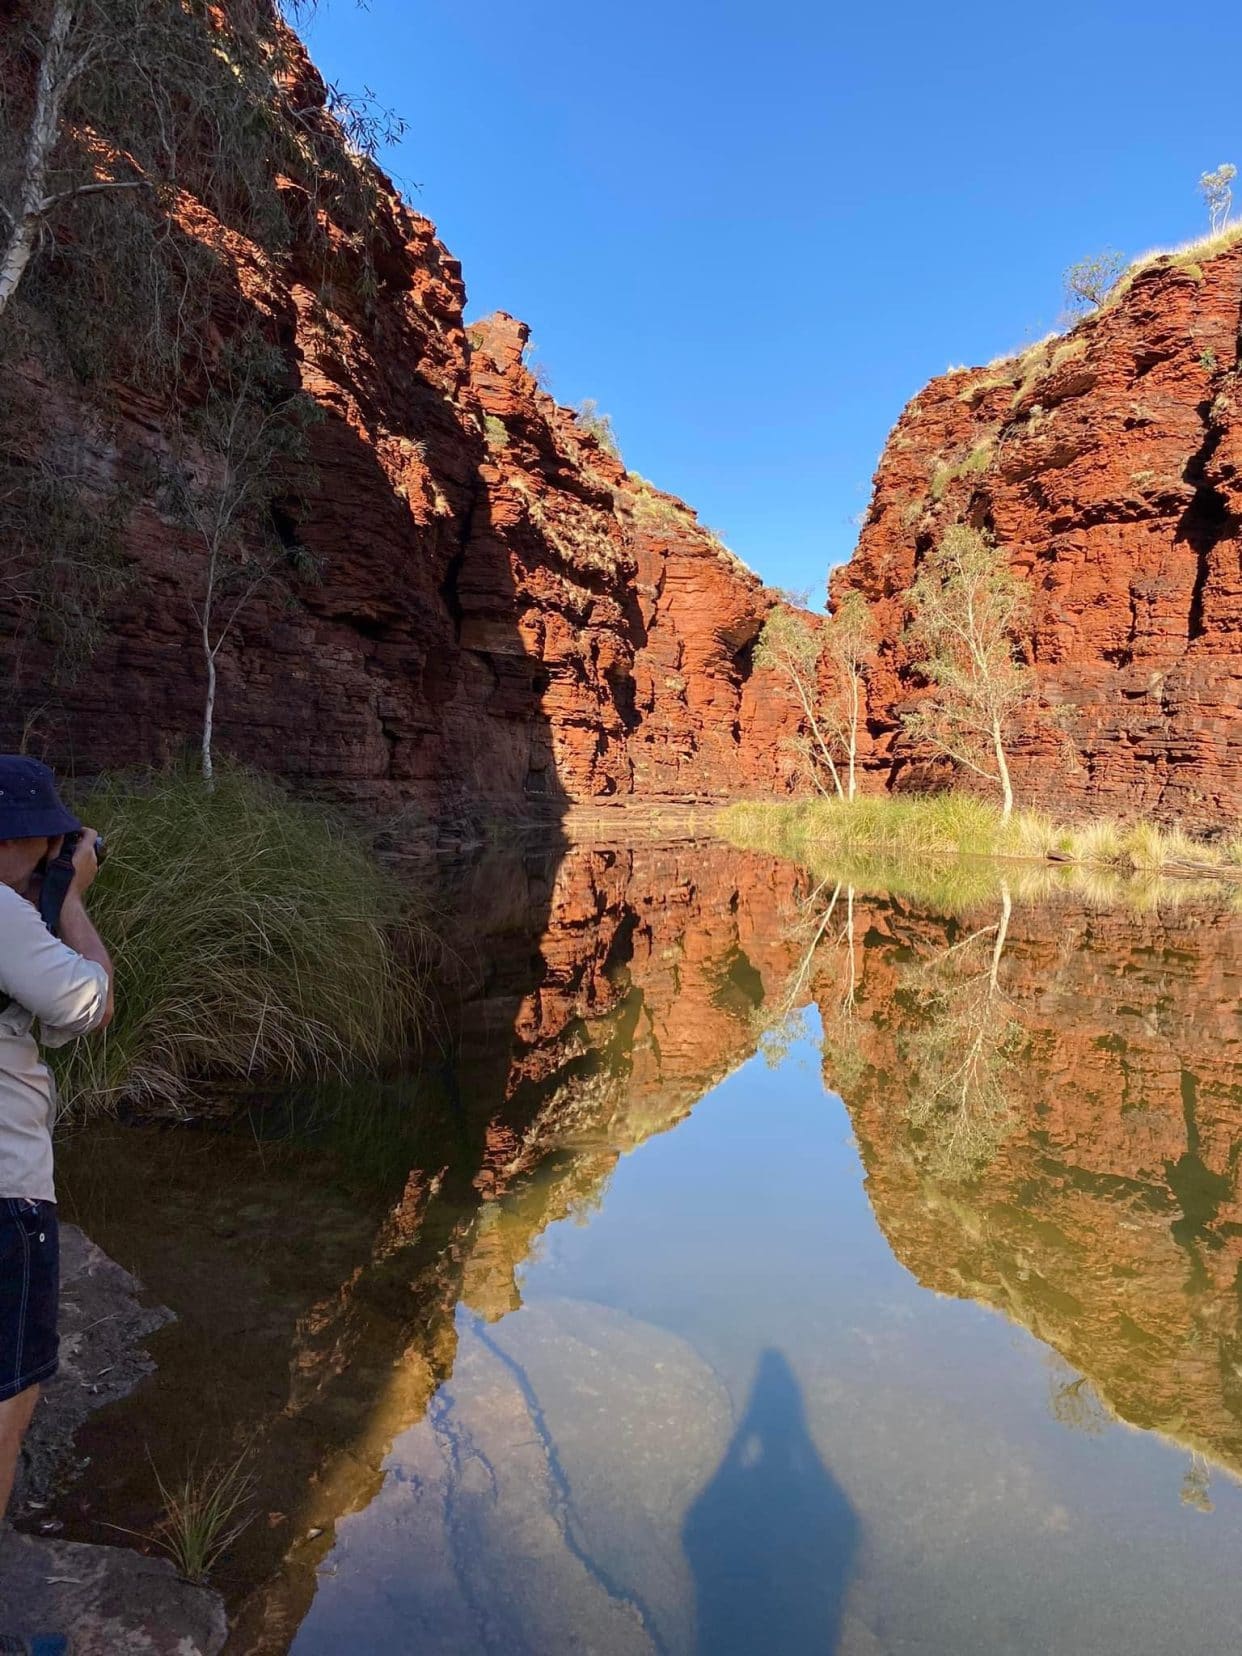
<point>771,1539</point>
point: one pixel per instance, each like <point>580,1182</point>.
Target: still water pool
<point>761,1267</point>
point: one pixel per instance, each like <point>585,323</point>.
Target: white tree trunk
<point>57,73</point>
<point>817,733</point>
<point>1002,771</point>
<point>998,947</point>
<point>209,714</point>
<point>853,726</point>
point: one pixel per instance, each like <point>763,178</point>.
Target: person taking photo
<point>53,990</point>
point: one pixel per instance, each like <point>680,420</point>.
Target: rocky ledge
<point>111,1600</point>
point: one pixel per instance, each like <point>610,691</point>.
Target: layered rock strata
<point>1106,464</point>
<point>500,613</point>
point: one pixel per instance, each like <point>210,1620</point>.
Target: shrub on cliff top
<point>590,421</point>
<point>255,939</point>
<point>1089,282</point>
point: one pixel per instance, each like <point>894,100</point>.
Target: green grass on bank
<point>256,941</point>
<point>953,848</point>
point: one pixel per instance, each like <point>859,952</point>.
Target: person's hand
<point>85,863</point>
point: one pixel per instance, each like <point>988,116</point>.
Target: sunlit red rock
<point>1107,466</point>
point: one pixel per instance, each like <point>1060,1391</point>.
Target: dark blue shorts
<point>29,1293</point>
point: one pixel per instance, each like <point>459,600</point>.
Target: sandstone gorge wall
<point>1106,463</point>
<point>503,616</point>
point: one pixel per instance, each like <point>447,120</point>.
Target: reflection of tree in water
<point>1196,1483</point>
<point>771,1538</point>
<point>960,1046</point>
<point>830,926</point>
<point>1074,1401</point>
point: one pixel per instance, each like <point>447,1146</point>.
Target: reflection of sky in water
<point>725,1405</point>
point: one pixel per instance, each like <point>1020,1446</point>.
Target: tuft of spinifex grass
<point>255,939</point>
<point>204,1513</point>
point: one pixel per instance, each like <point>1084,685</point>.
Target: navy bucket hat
<point>30,807</point>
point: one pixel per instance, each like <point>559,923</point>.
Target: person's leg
<point>15,1413</point>
<point>29,1296</point>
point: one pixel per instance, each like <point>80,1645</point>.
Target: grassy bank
<point>955,846</point>
<point>256,940</point>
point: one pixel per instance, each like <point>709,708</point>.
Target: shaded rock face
<point>1107,465</point>
<point>502,614</point>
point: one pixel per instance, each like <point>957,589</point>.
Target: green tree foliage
<point>849,640</point>
<point>791,646</point>
<point>1089,282</point>
<point>145,147</point>
<point>969,613</point>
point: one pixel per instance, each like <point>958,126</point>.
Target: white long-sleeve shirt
<point>68,996</point>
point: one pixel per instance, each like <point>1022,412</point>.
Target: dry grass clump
<point>971,465</point>
<point>580,535</point>
<point>1072,349</point>
<point>256,940</point>
<point>1189,257</point>
<point>1099,842</point>
<point>657,513</point>
<point>653,510</point>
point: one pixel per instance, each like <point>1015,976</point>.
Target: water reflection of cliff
<point>1048,1104</point>
<point>1099,1205</point>
<point>601,993</point>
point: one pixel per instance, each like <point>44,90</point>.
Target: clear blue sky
<point>753,228</point>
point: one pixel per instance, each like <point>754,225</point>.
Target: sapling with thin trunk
<point>798,648</point>
<point>227,471</point>
<point>849,640</point>
<point>969,614</point>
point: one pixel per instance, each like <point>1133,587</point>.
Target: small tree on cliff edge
<point>796,648</point>
<point>1089,282</point>
<point>969,613</point>
<point>1217,188</point>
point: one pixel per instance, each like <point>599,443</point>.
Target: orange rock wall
<point>503,616</point>
<point>1107,465</point>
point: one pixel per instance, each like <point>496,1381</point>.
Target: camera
<point>72,841</point>
<point>58,877</point>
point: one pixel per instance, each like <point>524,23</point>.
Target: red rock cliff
<point>504,615</point>
<point>1107,465</point>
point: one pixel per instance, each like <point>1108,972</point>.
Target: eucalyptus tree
<point>969,615</point>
